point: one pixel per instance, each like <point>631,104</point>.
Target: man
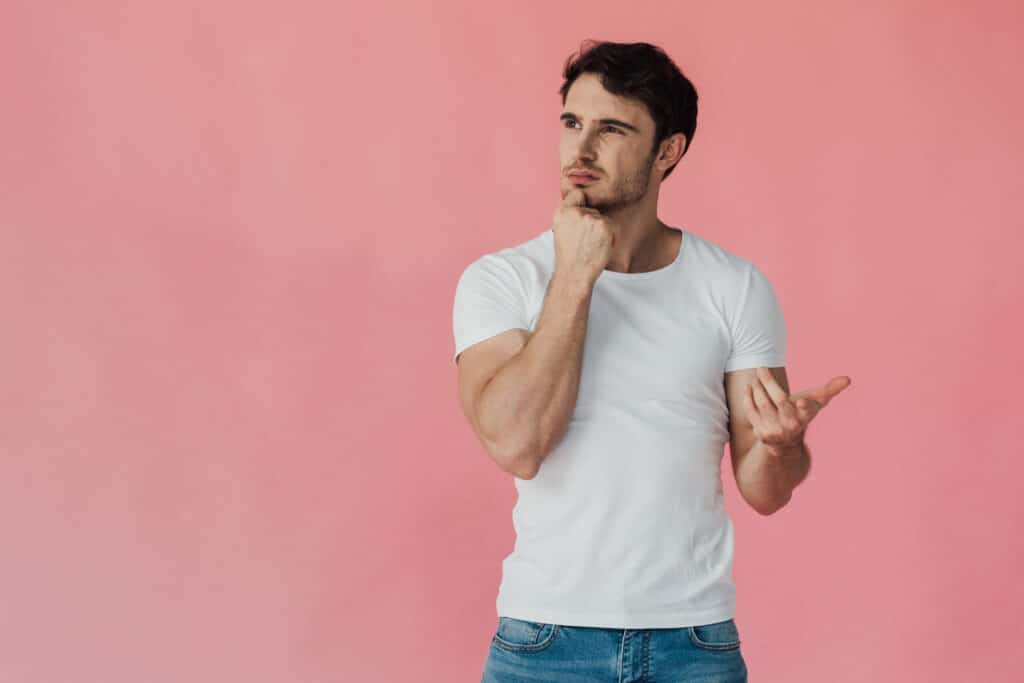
<point>604,363</point>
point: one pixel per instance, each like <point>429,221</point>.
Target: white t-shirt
<point>624,525</point>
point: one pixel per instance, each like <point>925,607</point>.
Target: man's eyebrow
<point>614,122</point>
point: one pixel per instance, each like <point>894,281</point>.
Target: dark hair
<point>643,72</point>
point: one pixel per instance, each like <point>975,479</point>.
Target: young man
<point>605,363</point>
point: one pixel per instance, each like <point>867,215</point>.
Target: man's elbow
<point>520,462</point>
<point>763,505</point>
<point>524,469</point>
<point>770,509</point>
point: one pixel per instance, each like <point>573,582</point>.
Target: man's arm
<point>525,408</point>
<point>764,480</point>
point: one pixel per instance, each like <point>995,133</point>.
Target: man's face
<point>619,155</point>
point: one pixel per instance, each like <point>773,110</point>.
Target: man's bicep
<point>477,365</point>
<point>480,362</point>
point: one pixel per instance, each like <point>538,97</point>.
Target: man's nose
<point>586,147</point>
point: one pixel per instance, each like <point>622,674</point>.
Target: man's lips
<point>582,177</point>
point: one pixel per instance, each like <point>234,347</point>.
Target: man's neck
<point>643,243</point>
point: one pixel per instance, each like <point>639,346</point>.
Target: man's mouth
<point>582,177</point>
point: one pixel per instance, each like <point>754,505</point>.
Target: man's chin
<point>588,188</point>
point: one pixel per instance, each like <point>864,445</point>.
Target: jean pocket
<point>518,635</point>
<point>722,635</point>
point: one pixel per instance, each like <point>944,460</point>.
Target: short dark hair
<point>643,72</point>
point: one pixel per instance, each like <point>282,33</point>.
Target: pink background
<point>230,233</point>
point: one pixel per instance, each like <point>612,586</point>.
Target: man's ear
<point>673,147</point>
<point>671,150</point>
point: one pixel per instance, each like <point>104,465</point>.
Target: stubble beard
<point>627,191</point>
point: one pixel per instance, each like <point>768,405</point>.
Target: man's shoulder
<point>525,257</point>
<point>524,266</point>
<point>536,249</point>
<point>715,258</point>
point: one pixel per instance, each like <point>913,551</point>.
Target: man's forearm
<point>767,481</point>
<point>526,406</point>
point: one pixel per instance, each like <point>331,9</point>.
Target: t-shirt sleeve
<point>489,299</point>
<point>757,326</point>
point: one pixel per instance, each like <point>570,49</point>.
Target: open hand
<point>780,420</point>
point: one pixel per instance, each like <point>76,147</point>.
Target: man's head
<point>627,112</point>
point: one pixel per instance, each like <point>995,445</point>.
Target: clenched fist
<point>584,238</point>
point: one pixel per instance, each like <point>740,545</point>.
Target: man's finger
<point>826,393</point>
<point>575,197</point>
<point>771,385</point>
<point>765,405</point>
<point>837,384</point>
<point>807,409</point>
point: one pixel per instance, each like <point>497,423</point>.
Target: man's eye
<point>568,123</point>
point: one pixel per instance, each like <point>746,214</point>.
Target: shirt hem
<point>623,620</point>
<point>749,362</point>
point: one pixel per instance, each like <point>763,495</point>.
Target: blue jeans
<point>537,652</point>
